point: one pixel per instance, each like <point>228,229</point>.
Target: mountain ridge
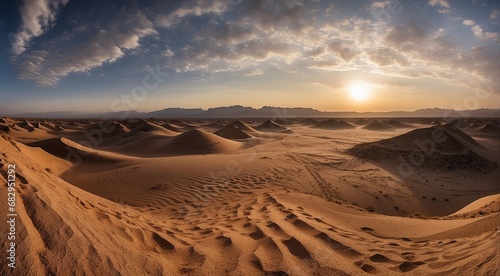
<point>238,111</point>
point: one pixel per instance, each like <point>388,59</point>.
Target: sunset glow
<point>359,91</point>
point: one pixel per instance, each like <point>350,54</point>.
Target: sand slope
<point>149,127</point>
<point>491,128</point>
<point>270,126</point>
<point>452,151</point>
<point>277,208</point>
<point>397,124</point>
<point>334,124</point>
<point>232,132</point>
<point>170,127</point>
<point>378,126</point>
<point>244,127</point>
<point>200,142</point>
<point>493,200</point>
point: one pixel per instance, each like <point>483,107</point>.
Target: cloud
<point>293,17</point>
<point>168,53</point>
<point>254,72</point>
<point>47,67</point>
<point>37,16</point>
<point>413,49</point>
<point>478,32</point>
<point>468,22</point>
<point>379,4</point>
<point>190,8</point>
<point>494,14</point>
<point>210,37</point>
<point>441,3</point>
<point>343,50</point>
<point>233,33</point>
<point>84,50</point>
<point>386,56</point>
<point>406,36</point>
<point>233,44</point>
<point>316,52</point>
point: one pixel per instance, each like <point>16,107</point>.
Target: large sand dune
<point>148,200</point>
<point>451,150</point>
<point>201,142</point>
<point>232,132</point>
<point>334,124</point>
<point>270,126</point>
<point>378,126</point>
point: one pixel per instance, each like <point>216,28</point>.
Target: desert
<point>252,197</point>
<point>250,137</point>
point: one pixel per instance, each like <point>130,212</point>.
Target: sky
<point>102,56</point>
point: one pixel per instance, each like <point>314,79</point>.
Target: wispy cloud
<point>215,36</point>
<point>191,8</point>
<point>82,51</point>
<point>445,6</point>
<point>494,14</point>
<point>37,16</point>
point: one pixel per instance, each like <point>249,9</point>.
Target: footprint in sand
<point>368,269</point>
<point>162,243</point>
<point>409,266</point>
<point>378,258</point>
<point>296,248</point>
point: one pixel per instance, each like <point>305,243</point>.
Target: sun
<point>359,91</point>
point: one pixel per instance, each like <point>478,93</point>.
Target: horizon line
<point>255,108</point>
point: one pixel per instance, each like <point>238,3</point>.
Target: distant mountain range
<point>239,111</point>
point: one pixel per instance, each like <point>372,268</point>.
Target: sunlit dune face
<point>359,91</point>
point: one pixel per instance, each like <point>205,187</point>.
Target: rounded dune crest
<point>200,142</point>
<point>334,125</point>
<point>378,126</point>
<point>232,132</point>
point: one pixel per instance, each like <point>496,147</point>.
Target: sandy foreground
<point>252,197</point>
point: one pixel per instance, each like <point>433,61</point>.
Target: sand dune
<point>361,122</point>
<point>476,125</point>
<point>378,126</point>
<point>51,126</point>
<point>283,122</point>
<point>170,127</point>
<point>25,125</point>
<point>107,128</point>
<point>4,128</point>
<point>334,124</point>
<point>493,201</point>
<point>71,151</point>
<point>309,122</point>
<point>217,124</point>
<point>460,123</point>
<point>54,146</point>
<point>243,126</point>
<point>270,126</point>
<point>232,132</point>
<point>200,142</point>
<point>150,128</point>
<point>491,128</point>
<point>398,124</point>
<point>427,121</point>
<point>186,125</point>
<point>457,151</point>
<point>52,163</point>
<point>438,122</point>
<point>199,204</point>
